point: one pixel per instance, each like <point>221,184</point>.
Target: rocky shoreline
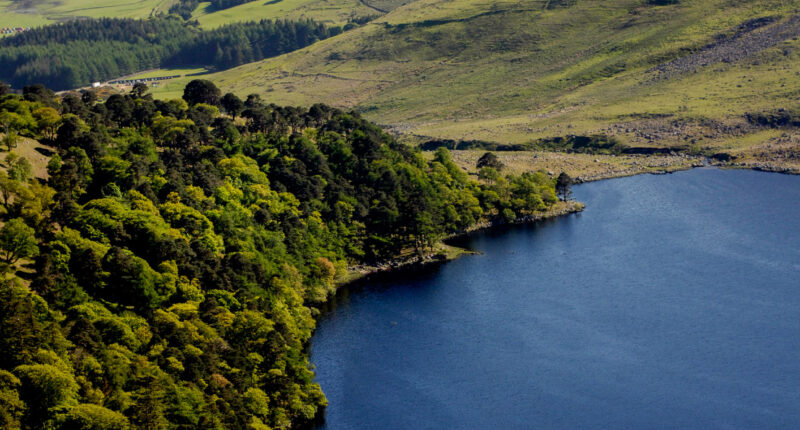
<point>707,162</point>
<point>637,171</point>
<point>764,167</point>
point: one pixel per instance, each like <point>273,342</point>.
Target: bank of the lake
<point>671,301</point>
<point>443,252</point>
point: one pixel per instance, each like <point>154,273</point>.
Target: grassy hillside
<point>337,13</point>
<point>37,155</point>
<point>519,71</point>
<point>32,13</point>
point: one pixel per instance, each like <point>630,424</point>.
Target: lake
<point>673,301</point>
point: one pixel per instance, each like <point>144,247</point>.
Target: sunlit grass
<point>335,13</point>
<point>170,72</point>
<point>12,19</point>
<point>51,11</point>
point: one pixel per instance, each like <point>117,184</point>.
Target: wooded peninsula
<point>167,268</point>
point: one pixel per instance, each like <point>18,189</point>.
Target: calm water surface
<point>671,302</point>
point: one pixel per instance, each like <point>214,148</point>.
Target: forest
<point>168,271</point>
<point>77,53</point>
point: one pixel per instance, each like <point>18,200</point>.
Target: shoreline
<point>443,252</point>
<point>707,162</point>
<point>635,172</point>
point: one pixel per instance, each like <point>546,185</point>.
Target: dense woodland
<point>77,53</point>
<point>168,272</point>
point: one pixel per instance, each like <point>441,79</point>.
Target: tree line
<point>591,144</point>
<point>168,272</point>
<point>77,53</point>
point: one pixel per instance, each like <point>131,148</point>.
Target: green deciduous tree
<point>232,104</point>
<point>201,91</point>
<point>44,389</point>
<point>48,120</point>
<point>563,184</point>
<point>19,168</point>
<point>131,281</point>
<point>93,417</point>
<point>11,406</point>
<point>17,241</point>
<point>10,121</point>
<point>489,174</point>
<point>11,139</point>
<point>489,160</point>
<point>139,90</point>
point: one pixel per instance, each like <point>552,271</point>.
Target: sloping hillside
<point>31,150</point>
<point>338,12</point>
<point>518,71</point>
<point>33,13</point>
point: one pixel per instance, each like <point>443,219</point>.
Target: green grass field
<point>169,72</point>
<point>9,18</point>
<point>171,89</point>
<point>43,12</point>
<point>329,12</point>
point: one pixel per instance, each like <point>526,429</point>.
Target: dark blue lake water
<point>671,302</point>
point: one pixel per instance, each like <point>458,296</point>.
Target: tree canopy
<point>488,159</point>
<point>563,184</point>
<point>201,91</point>
<point>17,240</point>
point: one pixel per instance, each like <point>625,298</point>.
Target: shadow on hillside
<point>44,151</point>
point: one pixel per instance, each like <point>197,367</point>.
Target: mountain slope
<point>333,13</point>
<point>33,13</point>
<point>519,71</point>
